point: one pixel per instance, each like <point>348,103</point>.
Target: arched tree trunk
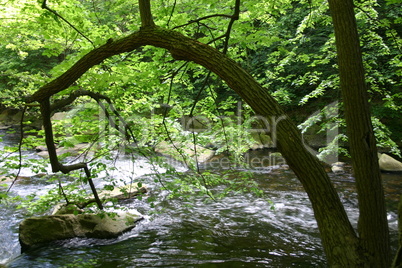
<point>338,237</point>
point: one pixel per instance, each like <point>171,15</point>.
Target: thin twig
<point>44,6</point>
<point>62,191</point>
<point>19,148</point>
<point>233,18</point>
<point>203,18</point>
<point>171,13</point>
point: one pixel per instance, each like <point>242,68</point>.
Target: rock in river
<point>39,230</point>
<point>387,163</point>
<point>172,150</point>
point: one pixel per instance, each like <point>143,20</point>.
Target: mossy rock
<point>36,231</point>
<point>188,149</point>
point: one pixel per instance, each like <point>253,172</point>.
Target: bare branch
<point>203,18</point>
<point>234,17</point>
<point>54,161</point>
<point>19,149</point>
<point>217,38</point>
<point>226,35</point>
<point>93,58</point>
<point>44,6</point>
<point>68,100</point>
<point>171,14</point>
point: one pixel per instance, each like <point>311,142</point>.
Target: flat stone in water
<point>39,230</point>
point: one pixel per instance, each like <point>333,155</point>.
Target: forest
<point>200,85</point>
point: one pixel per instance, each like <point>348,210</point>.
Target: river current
<point>240,230</point>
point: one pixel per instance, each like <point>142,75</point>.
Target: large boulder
<point>10,118</point>
<point>169,149</point>
<point>73,151</point>
<point>387,163</point>
<point>39,230</point>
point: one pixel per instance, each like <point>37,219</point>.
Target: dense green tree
<point>99,64</point>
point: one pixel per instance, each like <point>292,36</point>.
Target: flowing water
<point>237,231</point>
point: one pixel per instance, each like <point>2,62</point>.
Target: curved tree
<point>342,245</point>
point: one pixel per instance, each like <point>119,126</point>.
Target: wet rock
<point>73,151</point>
<point>40,148</point>
<point>169,149</point>
<point>338,167</point>
<point>387,163</point>
<point>12,117</point>
<point>20,179</point>
<point>9,118</point>
<point>124,192</point>
<point>59,116</point>
<point>36,231</point>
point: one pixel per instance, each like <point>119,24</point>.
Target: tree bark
<point>146,14</point>
<point>373,225</point>
<point>45,109</point>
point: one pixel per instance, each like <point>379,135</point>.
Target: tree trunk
<point>373,225</point>
<point>338,237</point>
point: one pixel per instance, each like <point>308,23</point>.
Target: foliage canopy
<point>287,46</point>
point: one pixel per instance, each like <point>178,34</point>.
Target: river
<point>240,230</point>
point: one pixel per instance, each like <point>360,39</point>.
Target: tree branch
<point>93,58</point>
<point>146,14</point>
<point>328,209</point>
<point>98,98</point>
<point>202,18</point>
<point>54,161</point>
<point>19,149</point>
<point>171,13</point>
<point>44,6</point>
<point>67,101</point>
<point>233,18</point>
